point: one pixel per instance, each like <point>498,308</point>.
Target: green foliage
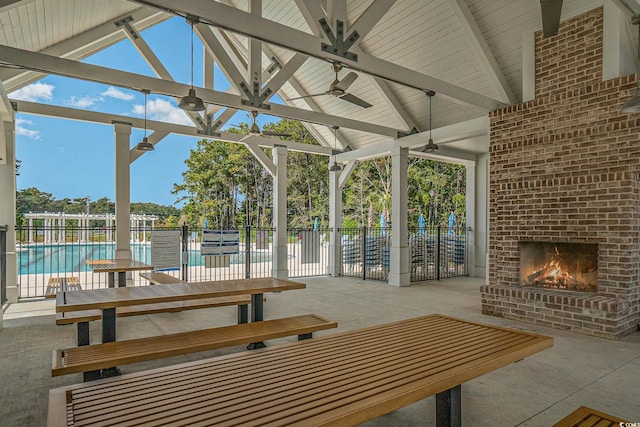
<point>34,200</point>
<point>226,185</point>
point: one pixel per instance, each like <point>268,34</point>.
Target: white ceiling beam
<point>207,68</point>
<point>394,103</point>
<point>443,135</point>
<point>337,10</point>
<point>85,44</point>
<point>347,170</point>
<point>254,67</point>
<point>369,18</point>
<point>108,119</point>
<point>156,65</point>
<point>312,12</point>
<point>295,84</point>
<point>6,109</point>
<point>483,51</point>
<point>262,158</point>
<point>238,21</point>
<point>154,138</point>
<point>285,73</point>
<point>10,4</point>
<point>214,45</point>
<point>90,72</point>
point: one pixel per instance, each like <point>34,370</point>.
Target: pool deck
<point>537,391</point>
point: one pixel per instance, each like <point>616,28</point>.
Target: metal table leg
<point>122,279</point>
<point>109,335</point>
<point>449,408</point>
<point>257,315</point>
<point>83,339</point>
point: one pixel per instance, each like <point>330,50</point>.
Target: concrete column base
<point>12,294</point>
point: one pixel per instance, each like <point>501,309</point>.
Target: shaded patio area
<point>538,391</point>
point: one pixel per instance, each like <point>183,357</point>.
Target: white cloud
<point>34,92</point>
<point>82,102</point>
<point>163,111</point>
<point>113,92</point>
<point>29,133</point>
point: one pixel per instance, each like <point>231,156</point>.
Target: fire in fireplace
<point>569,266</point>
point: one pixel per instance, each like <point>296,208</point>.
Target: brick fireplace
<point>565,169</point>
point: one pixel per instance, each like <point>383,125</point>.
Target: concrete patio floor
<point>537,391</point>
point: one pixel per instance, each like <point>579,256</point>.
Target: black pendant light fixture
<point>633,104</point>
<point>145,145</point>
<point>335,167</point>
<point>430,147</point>
<point>191,102</point>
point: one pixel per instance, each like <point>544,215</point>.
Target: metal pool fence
<point>50,252</point>
<point>435,252</point>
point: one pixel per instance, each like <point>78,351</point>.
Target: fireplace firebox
<point>563,266</point>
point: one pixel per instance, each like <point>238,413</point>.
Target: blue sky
<point>76,159</point>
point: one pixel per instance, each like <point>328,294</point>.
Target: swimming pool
<point>39,259</point>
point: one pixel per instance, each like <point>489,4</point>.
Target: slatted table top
<point>340,379</point>
<point>587,417</point>
<point>116,265</point>
<point>119,297</point>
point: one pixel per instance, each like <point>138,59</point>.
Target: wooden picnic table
<point>108,300</point>
<point>120,266</point>
<point>342,379</point>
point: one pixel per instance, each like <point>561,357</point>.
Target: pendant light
<point>145,145</point>
<point>633,104</point>
<point>335,167</point>
<point>430,147</point>
<point>191,102</point>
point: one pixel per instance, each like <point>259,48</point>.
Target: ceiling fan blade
<point>551,10</point>
<point>308,96</point>
<point>347,81</point>
<point>274,133</point>
<point>355,100</point>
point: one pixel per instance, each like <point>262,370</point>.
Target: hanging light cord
<point>191,54</point>
<point>145,113</point>
<point>430,127</point>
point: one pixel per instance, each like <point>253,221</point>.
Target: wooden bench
<point>56,284</point>
<point>70,317</point>
<point>158,278</point>
<point>587,417</point>
<point>106,355</point>
<point>341,379</point>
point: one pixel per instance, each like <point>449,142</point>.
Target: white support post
<point>30,230</point>
<point>279,267</point>
<point>478,206</point>
<point>335,222</point>
<point>123,190</point>
<point>399,269</point>
<point>8,207</point>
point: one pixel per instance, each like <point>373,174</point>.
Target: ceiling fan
<point>338,88</point>
<point>254,129</point>
<point>551,10</point>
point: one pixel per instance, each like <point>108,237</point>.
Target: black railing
<point>308,251</point>
<point>48,252</point>
<point>435,252</point>
<point>366,252</point>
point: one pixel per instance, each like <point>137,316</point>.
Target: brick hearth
<point>564,168</point>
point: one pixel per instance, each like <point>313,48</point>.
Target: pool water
<point>39,259</point>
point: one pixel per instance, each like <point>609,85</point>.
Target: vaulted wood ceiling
<point>466,46</point>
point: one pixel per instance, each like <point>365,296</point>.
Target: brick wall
<point>564,168</point>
